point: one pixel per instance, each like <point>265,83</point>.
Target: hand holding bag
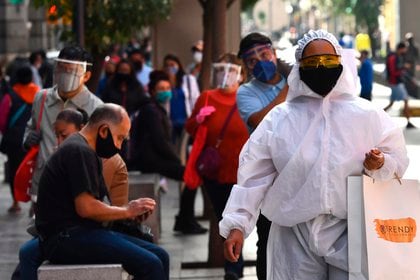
<point>23,176</point>
<point>382,228</point>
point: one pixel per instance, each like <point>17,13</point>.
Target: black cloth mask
<point>321,80</point>
<point>138,65</point>
<point>120,77</point>
<point>105,147</point>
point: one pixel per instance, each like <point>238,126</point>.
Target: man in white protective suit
<point>295,165</point>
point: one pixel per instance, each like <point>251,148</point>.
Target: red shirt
<point>394,71</point>
<point>235,135</point>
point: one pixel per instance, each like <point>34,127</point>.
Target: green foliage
<point>366,12</point>
<point>113,21</point>
<point>248,4</point>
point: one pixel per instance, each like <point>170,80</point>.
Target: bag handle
<point>222,132</point>
<point>17,115</point>
<point>225,124</point>
<point>44,97</point>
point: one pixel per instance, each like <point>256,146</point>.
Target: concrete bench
<point>82,272</point>
<point>147,185</point>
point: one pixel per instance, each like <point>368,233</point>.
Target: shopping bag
<point>192,179</point>
<point>23,177</point>
<point>382,228</point>
<point>357,253</point>
<point>392,211</point>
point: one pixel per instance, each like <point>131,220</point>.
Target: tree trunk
<point>219,31</point>
<point>373,40</point>
<point>204,79</point>
<point>98,59</point>
<point>218,47</point>
<point>215,247</point>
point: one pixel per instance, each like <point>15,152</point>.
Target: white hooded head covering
<point>348,81</point>
<point>316,35</point>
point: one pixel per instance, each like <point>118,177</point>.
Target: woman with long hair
<point>185,92</point>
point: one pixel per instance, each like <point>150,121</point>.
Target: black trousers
<point>263,229</point>
<point>14,158</point>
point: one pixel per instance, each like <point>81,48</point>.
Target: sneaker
<point>14,209</point>
<point>188,226</point>
<point>231,276</point>
<point>410,125</point>
<point>195,229</point>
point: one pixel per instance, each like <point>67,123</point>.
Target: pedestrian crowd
<point>271,144</point>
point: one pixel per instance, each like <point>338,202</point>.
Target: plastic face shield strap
<point>257,53</point>
<point>70,66</point>
<point>225,75</point>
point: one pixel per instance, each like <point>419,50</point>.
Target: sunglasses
<point>324,60</point>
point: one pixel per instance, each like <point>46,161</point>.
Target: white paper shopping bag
<point>392,214</point>
<point>358,269</point>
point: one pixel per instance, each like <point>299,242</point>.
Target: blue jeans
<point>30,258</point>
<point>79,245</point>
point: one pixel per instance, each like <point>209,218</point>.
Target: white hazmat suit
<point>295,165</point>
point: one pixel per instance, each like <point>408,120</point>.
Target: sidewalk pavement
<point>183,248</point>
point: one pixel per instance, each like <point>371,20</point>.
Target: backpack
<point>12,110</point>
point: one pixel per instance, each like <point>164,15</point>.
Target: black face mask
<point>105,148</point>
<point>138,65</point>
<point>120,77</point>
<point>321,80</point>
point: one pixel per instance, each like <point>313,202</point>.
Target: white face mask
<point>198,57</point>
<point>67,82</point>
<point>225,75</point>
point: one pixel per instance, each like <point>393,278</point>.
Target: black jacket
<point>150,144</point>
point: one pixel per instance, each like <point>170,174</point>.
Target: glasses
<point>325,60</point>
<point>258,53</point>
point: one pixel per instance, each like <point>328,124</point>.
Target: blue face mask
<point>163,96</point>
<point>173,70</point>
<point>264,70</point>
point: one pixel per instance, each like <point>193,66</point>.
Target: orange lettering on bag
<point>398,230</point>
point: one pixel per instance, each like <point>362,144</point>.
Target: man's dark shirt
<point>73,169</point>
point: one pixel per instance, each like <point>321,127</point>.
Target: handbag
<point>387,244</point>
<point>23,176</point>
<point>209,161</point>
<point>133,228</point>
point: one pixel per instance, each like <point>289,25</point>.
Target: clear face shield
<point>68,74</point>
<point>258,53</point>
<point>225,75</point>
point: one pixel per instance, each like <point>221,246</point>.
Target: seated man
<point>115,174</point>
<point>70,208</point>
